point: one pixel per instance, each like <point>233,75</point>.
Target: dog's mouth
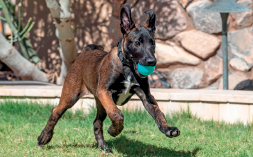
<point>136,70</point>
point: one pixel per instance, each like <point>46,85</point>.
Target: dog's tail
<point>92,47</point>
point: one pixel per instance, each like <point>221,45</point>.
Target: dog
<point>113,78</point>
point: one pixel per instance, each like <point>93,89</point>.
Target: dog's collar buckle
<point>127,68</point>
<point>120,54</point>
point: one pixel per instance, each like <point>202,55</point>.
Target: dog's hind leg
<point>66,103</point>
<point>71,92</point>
<point>98,126</point>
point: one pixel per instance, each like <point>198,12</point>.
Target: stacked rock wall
<point>188,43</point>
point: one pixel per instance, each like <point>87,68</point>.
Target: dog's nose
<point>151,61</point>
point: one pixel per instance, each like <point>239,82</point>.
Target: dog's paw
<point>105,148</point>
<point>115,131</point>
<point>44,138</point>
<point>172,132</point>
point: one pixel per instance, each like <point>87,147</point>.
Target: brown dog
<point>112,78</point>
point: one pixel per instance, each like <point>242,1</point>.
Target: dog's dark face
<point>138,42</point>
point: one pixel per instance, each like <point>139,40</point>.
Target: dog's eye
<point>141,40</point>
<point>137,43</point>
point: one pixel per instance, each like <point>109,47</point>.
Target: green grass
<point>21,123</point>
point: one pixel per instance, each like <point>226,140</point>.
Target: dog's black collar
<point>121,56</point>
<point>127,68</point>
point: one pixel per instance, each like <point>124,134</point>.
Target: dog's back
<point>85,65</point>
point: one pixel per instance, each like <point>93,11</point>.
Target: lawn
<point>21,123</point>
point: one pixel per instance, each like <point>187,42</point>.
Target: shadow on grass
<point>130,147</point>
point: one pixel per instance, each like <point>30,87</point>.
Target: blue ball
<point>145,70</point>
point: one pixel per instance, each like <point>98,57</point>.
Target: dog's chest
<point>124,92</point>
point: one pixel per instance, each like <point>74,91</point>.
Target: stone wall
<point>188,47</point>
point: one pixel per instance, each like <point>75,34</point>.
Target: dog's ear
<point>126,21</point>
<point>150,23</point>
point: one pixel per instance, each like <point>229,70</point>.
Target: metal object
<point>224,7</point>
<point>26,83</point>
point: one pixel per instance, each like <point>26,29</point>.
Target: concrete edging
<point>229,106</point>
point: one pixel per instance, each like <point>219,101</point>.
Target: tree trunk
<point>65,34</point>
<point>18,64</point>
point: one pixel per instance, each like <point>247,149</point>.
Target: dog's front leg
<point>112,111</point>
<point>153,109</point>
